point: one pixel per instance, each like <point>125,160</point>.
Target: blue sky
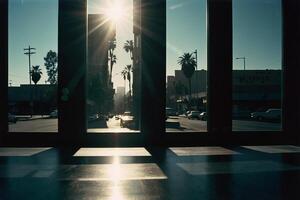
<point>256,34</point>
<point>35,23</point>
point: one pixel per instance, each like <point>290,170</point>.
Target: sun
<point>115,11</point>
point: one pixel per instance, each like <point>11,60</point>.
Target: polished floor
<point>243,172</point>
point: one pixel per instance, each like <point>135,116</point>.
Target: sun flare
<point>115,11</point>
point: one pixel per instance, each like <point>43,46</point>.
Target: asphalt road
<point>195,125</point>
<point>111,126</point>
<point>186,125</point>
<point>36,125</point>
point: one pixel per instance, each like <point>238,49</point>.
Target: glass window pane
<point>32,75</point>
<point>257,69</point>
<point>113,67</point>
<point>186,66</point>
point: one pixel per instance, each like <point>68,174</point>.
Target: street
<point>195,125</point>
<point>36,125</point>
<point>113,125</point>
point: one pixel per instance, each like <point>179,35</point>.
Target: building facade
<point>251,90</point>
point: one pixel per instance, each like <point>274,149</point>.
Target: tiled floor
<point>256,172</point>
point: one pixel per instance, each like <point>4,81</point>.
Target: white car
<point>203,116</point>
<point>270,114</point>
<point>193,114</point>
<point>54,114</point>
<point>127,120</point>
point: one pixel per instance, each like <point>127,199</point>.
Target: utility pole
<point>29,52</point>
<point>244,58</point>
<point>196,53</point>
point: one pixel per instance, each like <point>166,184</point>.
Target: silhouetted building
<point>119,100</point>
<point>251,90</point>
<point>136,61</point>
<point>43,97</point>
<point>101,30</point>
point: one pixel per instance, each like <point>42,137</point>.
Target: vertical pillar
<point>153,72</point>
<point>3,67</point>
<point>291,65</point>
<point>219,61</point>
<point>72,44</point>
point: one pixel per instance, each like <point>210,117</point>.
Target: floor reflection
<point>275,148</point>
<point>204,168</point>
<point>197,151</point>
<point>59,174</point>
<point>112,152</point>
<point>10,151</point>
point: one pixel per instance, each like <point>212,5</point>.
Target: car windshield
<point>127,114</point>
<point>273,110</point>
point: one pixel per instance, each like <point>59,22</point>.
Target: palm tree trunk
<point>111,65</point>
<point>129,84</point>
<point>124,95</point>
<point>190,87</point>
<point>129,96</point>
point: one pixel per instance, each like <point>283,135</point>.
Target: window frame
<point>152,117</point>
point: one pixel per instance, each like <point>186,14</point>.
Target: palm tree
<point>128,47</point>
<point>128,69</point>
<point>36,74</point>
<point>188,66</point>
<point>111,56</point>
<point>124,74</point>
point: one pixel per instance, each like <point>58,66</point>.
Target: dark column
<point>72,37</point>
<point>3,67</point>
<point>291,65</point>
<point>219,61</point>
<point>153,70</point>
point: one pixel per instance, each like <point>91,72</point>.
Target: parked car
<point>270,114</point>
<point>203,116</point>
<point>12,118</point>
<point>187,113</point>
<point>127,120</point>
<point>93,117</point>
<point>193,114</point>
<point>171,112</point>
<point>54,114</point>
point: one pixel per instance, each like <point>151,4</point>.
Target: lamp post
<point>244,58</point>
<point>196,56</point>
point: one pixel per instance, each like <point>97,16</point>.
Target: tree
<point>128,47</point>
<point>124,74</point>
<point>111,56</point>
<point>188,66</point>
<point>128,69</point>
<point>36,74</point>
<point>51,66</point>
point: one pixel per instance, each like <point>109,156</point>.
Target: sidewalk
<point>28,117</point>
